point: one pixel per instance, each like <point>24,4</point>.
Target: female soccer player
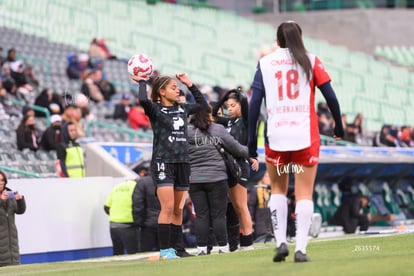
<point>286,79</point>
<point>237,124</point>
<point>170,166</point>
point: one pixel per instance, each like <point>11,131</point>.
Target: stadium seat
<point>318,201</point>
<point>405,204</point>
<point>322,202</point>
<point>363,190</point>
<point>335,195</point>
<point>388,197</point>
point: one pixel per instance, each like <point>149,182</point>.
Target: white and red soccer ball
<point>140,65</point>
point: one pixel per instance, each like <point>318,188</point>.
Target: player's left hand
<point>254,163</point>
<point>182,77</point>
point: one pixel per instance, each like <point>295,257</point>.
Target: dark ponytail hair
<point>238,95</point>
<point>202,119</point>
<point>289,35</point>
<point>157,84</point>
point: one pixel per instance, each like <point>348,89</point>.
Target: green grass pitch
<point>348,255</point>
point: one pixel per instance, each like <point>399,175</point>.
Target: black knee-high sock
<point>246,240</point>
<point>176,230</point>
<point>233,227</point>
<point>164,233</point>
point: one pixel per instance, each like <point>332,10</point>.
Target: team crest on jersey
<point>161,176</point>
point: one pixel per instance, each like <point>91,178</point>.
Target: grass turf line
<point>351,255</point>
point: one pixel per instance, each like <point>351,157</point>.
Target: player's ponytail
<point>289,35</point>
<point>157,84</point>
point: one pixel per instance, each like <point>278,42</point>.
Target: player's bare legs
<point>238,197</point>
<point>304,182</point>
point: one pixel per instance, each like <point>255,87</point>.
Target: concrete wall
<point>63,214</point>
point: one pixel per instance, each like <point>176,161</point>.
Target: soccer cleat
<point>301,257</point>
<point>201,253</point>
<point>281,253</point>
<point>202,250</point>
<point>168,254</point>
<point>183,254</point>
<point>316,225</point>
<point>224,249</point>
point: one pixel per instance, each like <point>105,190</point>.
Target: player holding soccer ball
<point>170,165</point>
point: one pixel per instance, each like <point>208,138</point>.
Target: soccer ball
<point>140,65</point>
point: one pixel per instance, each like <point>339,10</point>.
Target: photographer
<point>11,203</point>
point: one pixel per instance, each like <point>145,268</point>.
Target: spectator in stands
<point>5,71</point>
<point>44,99</point>
<point>26,134</point>
<point>69,152</point>
<point>122,108</point>
<point>350,214</point>
<point>389,137</point>
<point>137,118</point>
<point>73,71</point>
<point>28,111</point>
<point>353,131</point>
<point>89,87</point>
<point>56,105</point>
<point>11,203</point>
<point>106,87</point>
<point>349,130</point>
<point>10,85</point>
<point>83,103</point>
<point>146,210</point>
<point>99,49</point>
<point>17,69</point>
<point>119,205</point>
<point>31,77</point>
<point>2,58</point>
<point>407,136</point>
<point>51,137</point>
<point>73,114</point>
<point>11,55</point>
<point>325,120</point>
<point>8,106</point>
<point>84,62</point>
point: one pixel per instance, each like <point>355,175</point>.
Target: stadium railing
<point>36,108</point>
<point>20,172</point>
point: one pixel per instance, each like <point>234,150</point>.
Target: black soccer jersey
<point>169,125</point>
<point>237,127</point>
<point>238,130</point>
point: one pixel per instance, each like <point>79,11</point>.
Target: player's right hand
<point>138,78</point>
